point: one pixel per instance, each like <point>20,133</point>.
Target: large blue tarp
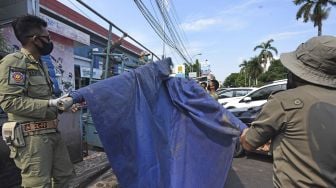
<point>159,131</point>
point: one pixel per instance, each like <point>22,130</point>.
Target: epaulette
<point>289,102</point>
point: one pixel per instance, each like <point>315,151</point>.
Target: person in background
<point>212,88</point>
<point>26,94</point>
<point>301,120</point>
<point>204,85</point>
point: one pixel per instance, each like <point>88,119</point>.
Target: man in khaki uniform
<point>301,120</point>
<point>26,95</point>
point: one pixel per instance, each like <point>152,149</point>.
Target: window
<point>226,94</point>
<point>79,81</point>
<point>264,93</point>
<point>240,93</point>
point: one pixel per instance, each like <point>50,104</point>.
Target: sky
<point>224,32</point>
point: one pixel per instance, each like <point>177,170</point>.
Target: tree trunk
<point>319,27</point>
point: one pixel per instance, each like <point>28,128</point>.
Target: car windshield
<point>264,93</point>
<point>233,93</point>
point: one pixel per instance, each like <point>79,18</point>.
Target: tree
<point>275,72</point>
<point>197,67</point>
<point>243,70</point>
<point>231,80</point>
<point>315,11</point>
<point>254,69</point>
<point>266,54</point>
<point>193,67</point>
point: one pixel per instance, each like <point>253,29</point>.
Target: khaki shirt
<point>302,125</point>
<point>214,95</point>
<point>25,88</point>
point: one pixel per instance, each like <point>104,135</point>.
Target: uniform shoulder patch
<point>16,76</point>
<point>18,55</point>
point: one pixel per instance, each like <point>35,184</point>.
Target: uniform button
<point>297,101</point>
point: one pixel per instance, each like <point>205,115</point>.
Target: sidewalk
<point>94,171</point>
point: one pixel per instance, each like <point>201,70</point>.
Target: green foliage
<point>251,74</point>
<point>193,67</point>
<point>315,11</point>
<point>275,72</point>
<point>234,80</point>
<point>265,54</point>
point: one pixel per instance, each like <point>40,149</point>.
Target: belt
<point>39,127</point>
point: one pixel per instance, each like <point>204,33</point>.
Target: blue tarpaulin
<point>159,131</point>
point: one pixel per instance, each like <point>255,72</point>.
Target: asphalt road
<point>250,171</point>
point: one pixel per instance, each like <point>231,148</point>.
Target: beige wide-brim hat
<point>314,61</point>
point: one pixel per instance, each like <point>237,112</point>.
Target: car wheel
<point>239,150</point>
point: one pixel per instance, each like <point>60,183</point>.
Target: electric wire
<point>172,38</point>
<point>172,31</point>
<point>79,9</point>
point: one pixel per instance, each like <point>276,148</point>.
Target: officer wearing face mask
<point>26,95</point>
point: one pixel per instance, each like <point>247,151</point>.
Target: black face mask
<point>46,48</point>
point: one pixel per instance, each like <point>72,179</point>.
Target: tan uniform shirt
<point>214,95</point>
<point>25,88</point>
<point>302,125</point>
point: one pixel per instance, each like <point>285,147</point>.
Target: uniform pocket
<point>38,87</point>
<point>32,166</point>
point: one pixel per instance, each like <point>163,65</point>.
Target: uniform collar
<point>29,55</point>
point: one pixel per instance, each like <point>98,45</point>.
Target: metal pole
<point>91,69</point>
<point>108,51</point>
<point>102,17</point>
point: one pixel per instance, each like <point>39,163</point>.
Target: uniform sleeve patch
<point>16,76</point>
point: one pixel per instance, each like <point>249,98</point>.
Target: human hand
<point>76,107</point>
<point>63,103</point>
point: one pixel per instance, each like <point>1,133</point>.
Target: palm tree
<point>266,54</point>
<point>315,11</point>
<point>254,69</point>
<point>243,69</point>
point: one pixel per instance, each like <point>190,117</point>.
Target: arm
<point>267,125</point>
<point>13,83</point>
<point>244,143</point>
<point>20,105</point>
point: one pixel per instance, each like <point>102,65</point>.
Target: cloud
<point>200,24</point>
<point>206,23</point>
<point>242,7</point>
<point>284,35</point>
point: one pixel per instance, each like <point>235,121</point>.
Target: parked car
<point>228,94</point>
<point>257,97</point>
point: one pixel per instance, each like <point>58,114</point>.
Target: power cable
<point>79,9</point>
<point>172,38</point>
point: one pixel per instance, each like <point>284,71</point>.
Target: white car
<point>229,94</point>
<point>257,97</point>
